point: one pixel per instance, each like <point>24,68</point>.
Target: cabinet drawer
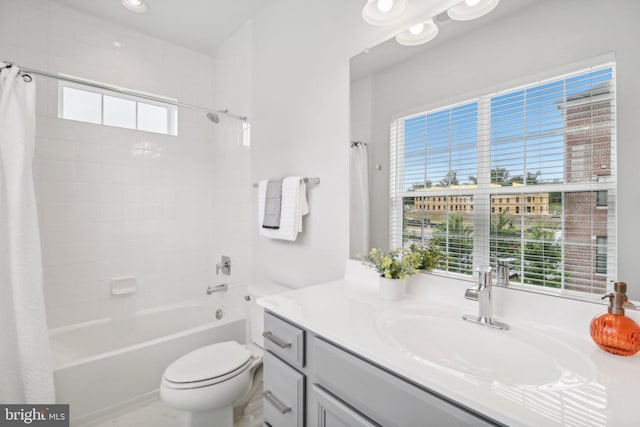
<point>283,398</point>
<point>284,340</point>
<point>333,413</point>
<point>382,396</point>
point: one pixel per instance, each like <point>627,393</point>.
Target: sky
<point>526,133</point>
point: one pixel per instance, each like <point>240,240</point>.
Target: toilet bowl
<point>207,384</point>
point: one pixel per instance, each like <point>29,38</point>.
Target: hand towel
<point>272,204</point>
<point>294,205</point>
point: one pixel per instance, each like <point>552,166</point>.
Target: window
<point>86,104</point>
<point>601,254</point>
<point>602,199</point>
<point>549,146</point>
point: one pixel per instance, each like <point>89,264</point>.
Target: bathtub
<point>105,365</point>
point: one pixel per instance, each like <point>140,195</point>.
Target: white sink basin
<point>518,357</point>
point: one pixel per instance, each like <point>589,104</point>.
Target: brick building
<point>588,137</point>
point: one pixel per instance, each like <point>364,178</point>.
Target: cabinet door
<point>382,396</point>
<point>283,393</point>
<point>284,340</point>
<point>333,413</point>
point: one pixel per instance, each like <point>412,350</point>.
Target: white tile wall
<point>115,202</point>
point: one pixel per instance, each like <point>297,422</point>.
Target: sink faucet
<point>482,293</point>
<point>219,288</point>
<point>504,275</point>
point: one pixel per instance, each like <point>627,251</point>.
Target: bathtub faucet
<point>218,288</point>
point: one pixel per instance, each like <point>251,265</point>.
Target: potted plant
<point>393,268</point>
<point>430,256</point>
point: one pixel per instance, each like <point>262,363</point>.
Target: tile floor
<point>154,413</point>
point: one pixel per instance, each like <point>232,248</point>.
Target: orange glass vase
<point>616,334</point>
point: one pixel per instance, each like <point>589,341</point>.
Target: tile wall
<point>114,202</point>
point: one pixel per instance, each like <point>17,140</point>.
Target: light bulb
<point>471,3</point>
<point>137,6</point>
<point>416,29</point>
<point>385,6</point>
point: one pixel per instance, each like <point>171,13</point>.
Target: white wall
<point>301,127</point>
<point>115,202</point>
<point>232,186</point>
<point>543,39</point>
<point>301,53</point>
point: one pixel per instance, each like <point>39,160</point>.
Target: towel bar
<point>315,181</point>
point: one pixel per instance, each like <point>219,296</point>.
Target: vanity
<point>336,355</point>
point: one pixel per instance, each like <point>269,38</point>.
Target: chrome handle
<point>275,402</point>
<point>274,339</point>
<point>472,293</point>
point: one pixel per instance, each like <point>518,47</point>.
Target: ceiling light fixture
<point>383,12</point>
<point>418,34</point>
<point>471,9</point>
<point>137,6</point>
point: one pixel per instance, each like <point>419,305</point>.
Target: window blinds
<point>527,173</point>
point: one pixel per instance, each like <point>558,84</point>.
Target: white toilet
<point>212,381</point>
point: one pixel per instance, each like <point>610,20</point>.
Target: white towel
<point>294,207</point>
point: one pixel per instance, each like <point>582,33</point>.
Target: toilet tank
<point>256,312</point>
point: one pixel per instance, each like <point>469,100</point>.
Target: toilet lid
<point>208,362</point>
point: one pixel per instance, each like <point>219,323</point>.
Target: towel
<point>272,204</point>
<point>293,207</point>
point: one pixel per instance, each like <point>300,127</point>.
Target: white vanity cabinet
<point>342,389</point>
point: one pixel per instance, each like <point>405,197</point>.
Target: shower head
<point>213,117</point>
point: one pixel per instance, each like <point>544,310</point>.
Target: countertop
<point>598,389</point>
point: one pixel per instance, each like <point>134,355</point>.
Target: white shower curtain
<point>359,217</point>
<point>25,365</point>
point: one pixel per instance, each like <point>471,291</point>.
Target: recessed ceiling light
<point>137,6</point>
<point>418,34</point>
<point>383,12</point>
<point>471,9</point>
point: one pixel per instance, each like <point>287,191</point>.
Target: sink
<point>518,357</point>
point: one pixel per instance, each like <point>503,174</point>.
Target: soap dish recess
<point>124,285</point>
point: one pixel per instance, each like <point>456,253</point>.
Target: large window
<point>86,104</point>
<point>527,173</point>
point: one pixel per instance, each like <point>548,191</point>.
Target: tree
<point>500,176</point>
<point>542,259</point>
<point>419,186</point>
<point>505,239</point>
<point>532,178</point>
<point>457,240</point>
<point>473,179</point>
<point>450,179</point>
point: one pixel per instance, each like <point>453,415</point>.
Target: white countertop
<point>350,313</point>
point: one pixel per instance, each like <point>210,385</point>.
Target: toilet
<point>211,383</point>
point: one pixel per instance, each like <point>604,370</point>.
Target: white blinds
<point>527,173</point>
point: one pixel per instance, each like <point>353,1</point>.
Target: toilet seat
<point>208,365</point>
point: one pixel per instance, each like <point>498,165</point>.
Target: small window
<point>602,200</point>
<point>87,104</point>
<point>601,254</point>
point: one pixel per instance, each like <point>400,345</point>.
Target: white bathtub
<point>105,364</point>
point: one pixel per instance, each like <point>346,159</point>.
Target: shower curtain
<point>25,366</point>
<point>359,218</point>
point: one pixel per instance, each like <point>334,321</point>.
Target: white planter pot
<point>392,289</point>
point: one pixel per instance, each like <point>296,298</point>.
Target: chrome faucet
<point>219,288</point>
<point>482,293</point>
<point>504,275</point>
<point>224,265</point>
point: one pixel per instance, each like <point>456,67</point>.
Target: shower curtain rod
<point>26,71</point>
